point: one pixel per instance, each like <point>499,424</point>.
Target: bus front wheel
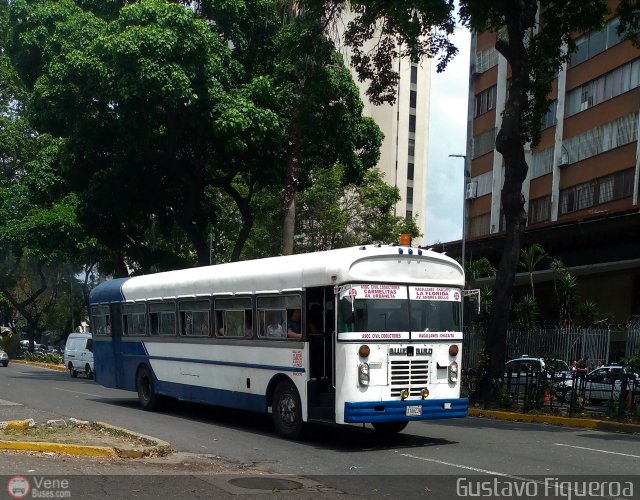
<point>147,396</point>
<point>287,410</point>
<point>389,428</point>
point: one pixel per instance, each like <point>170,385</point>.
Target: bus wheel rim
<point>287,409</point>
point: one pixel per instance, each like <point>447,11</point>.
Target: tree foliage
<point>160,104</point>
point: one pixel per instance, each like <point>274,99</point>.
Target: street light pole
<point>464,204</point>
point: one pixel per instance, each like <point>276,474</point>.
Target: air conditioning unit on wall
<point>471,191</point>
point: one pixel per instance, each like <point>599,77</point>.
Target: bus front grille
<point>409,374</point>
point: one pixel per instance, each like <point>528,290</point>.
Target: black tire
<point>72,372</point>
<point>287,410</point>
<point>146,387</point>
<point>389,428</point>
<point>5,364</point>
<point>88,371</point>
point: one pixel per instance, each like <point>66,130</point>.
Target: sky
<point>447,135</point>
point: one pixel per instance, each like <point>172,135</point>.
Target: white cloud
<point>447,135</point>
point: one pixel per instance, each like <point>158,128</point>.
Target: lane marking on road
<point>499,474</point>
<point>78,392</point>
<point>4,402</point>
<point>473,469</point>
<point>595,449</point>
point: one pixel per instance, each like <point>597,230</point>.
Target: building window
<point>412,123</point>
<point>595,42</point>
<point>603,190</point>
<point>540,210</point>
<point>486,59</point>
<point>484,143</point>
<point>550,119</point>
<point>410,171</point>
<point>414,74</point>
<point>409,214</point>
<point>479,226</point>
<point>606,87</point>
<point>542,163</point>
<point>484,183</point>
<point>486,100</point>
<point>412,147</point>
<point>409,196</point>
<point>413,98</point>
<point>598,140</point>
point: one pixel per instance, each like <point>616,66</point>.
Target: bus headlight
<point>363,374</point>
<point>453,372</point>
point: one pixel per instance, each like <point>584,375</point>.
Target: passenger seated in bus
<point>294,330</point>
<point>274,328</point>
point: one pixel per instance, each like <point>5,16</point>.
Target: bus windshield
<point>397,312</point>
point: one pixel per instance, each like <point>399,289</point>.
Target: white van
<point>78,354</point>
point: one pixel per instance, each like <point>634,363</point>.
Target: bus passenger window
<point>194,318</point>
<point>233,317</point>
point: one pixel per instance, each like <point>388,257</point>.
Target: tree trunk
<point>289,227</point>
<point>244,206</point>
<point>509,143</point>
<point>291,185</point>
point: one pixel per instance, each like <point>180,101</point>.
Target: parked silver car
<point>4,358</point>
<point>602,384</point>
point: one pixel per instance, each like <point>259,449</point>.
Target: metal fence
<point>632,346</point>
<point>568,344</point>
<point>528,390</point>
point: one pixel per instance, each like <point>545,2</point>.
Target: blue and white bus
<point>367,334</point>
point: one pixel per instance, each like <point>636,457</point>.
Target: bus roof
<point>377,264</point>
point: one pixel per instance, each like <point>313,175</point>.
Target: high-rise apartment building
<point>581,191</point>
<point>405,125</point>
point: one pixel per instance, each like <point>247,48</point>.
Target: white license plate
<point>413,411</point>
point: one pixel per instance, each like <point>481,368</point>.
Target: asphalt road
<point>349,459</point>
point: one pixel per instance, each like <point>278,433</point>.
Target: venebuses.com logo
<point>38,487</point>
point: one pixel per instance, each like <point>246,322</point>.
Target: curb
<point>159,447</point>
<point>584,423</point>
<point>50,366</point>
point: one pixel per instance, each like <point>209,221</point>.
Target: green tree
<point>149,104</point>
<point>532,36</point>
<point>530,257</point>
<point>162,104</point>
<point>335,215</point>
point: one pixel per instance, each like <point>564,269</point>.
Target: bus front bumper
<point>407,410</point>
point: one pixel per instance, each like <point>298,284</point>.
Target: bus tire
<point>287,410</point>
<point>146,387</point>
<point>72,371</point>
<point>389,428</point>
<point>88,371</point>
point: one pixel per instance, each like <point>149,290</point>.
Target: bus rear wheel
<point>147,396</point>
<point>389,428</point>
<point>287,410</point>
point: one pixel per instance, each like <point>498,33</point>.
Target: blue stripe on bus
<point>108,292</point>
<point>394,411</point>
<point>220,363</point>
<point>216,397</point>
